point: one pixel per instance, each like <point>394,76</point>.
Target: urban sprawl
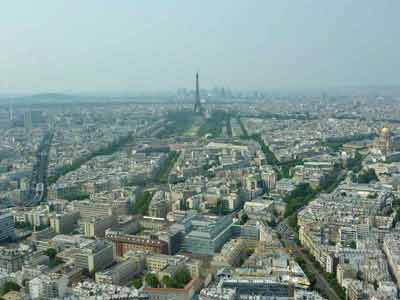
<point>208,195</point>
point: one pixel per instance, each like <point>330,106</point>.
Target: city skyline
<point>200,150</point>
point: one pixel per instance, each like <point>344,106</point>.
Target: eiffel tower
<point>197,104</point>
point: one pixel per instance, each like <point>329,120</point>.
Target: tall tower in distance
<point>197,104</point>
<point>10,112</point>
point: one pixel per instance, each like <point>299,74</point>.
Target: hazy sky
<point>138,45</point>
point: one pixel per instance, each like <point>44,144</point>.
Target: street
<point>287,238</point>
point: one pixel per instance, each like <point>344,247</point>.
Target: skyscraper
<point>197,104</point>
<point>7,227</point>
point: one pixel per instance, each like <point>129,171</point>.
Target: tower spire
<point>197,104</point>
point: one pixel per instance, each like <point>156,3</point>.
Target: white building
<point>48,286</point>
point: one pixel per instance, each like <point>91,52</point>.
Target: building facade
<point>7,227</point>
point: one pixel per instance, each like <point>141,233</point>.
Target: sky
<point>157,45</point>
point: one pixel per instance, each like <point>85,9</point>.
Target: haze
<point>93,45</point>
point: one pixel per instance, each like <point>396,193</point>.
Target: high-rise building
<point>7,227</point>
<point>28,120</point>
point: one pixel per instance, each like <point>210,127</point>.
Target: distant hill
<point>59,98</point>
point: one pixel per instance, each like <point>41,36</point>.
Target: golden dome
<point>385,130</point>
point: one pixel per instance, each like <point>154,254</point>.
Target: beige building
<point>64,223</point>
<point>230,253</point>
<point>382,142</point>
<point>96,227</point>
<point>95,256</point>
<point>88,210</point>
<point>121,273</point>
<point>391,247</point>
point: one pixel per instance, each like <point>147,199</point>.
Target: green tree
<point>269,155</point>
<point>359,275</point>
<point>244,218</point>
<point>397,217</point>
<point>163,173</point>
<point>367,176</point>
<point>313,279</point>
<point>298,198</point>
<point>54,262</point>
<point>292,220</point>
<point>353,245</point>
<point>142,203</point>
<point>376,284</point>
<point>178,123</point>
<point>51,253</point>
<point>355,164</point>
<point>152,280</point>
<point>214,124</point>
<point>137,282</point>
<point>169,282</point>
<point>76,196</point>
<point>9,286</point>
<point>300,261</point>
<point>182,277</point>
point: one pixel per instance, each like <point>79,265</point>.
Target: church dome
<point>385,130</point>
